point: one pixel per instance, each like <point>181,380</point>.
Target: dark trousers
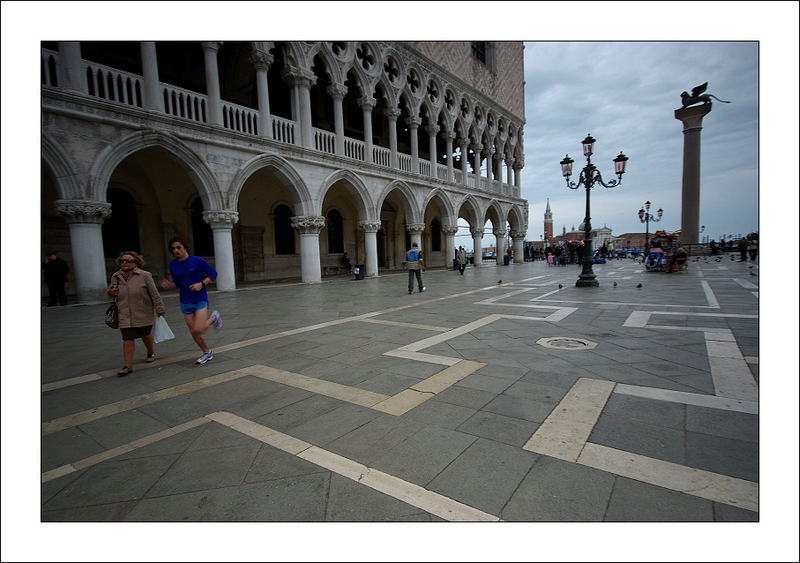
<point>411,274</point>
<point>56,293</point>
<point>461,268</point>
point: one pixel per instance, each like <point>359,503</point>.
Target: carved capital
<point>261,60</point>
<point>519,163</point>
<point>337,91</point>
<point>392,114</point>
<point>499,233</point>
<point>449,135</point>
<point>211,45</point>
<point>221,219</point>
<point>83,211</point>
<point>308,224</point>
<point>367,102</point>
<point>516,235</point>
<point>477,232</point>
<point>450,229</point>
<point>298,76</point>
<point>370,226</point>
<point>476,147</point>
<point>414,122</point>
<point>415,228</point>
<point>432,129</point>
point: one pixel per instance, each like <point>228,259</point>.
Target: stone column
<point>477,244</point>
<point>309,227</point>
<point>518,165</point>
<point>692,118</point>
<point>413,127</point>
<point>366,104</point>
<point>489,163</point>
<point>449,244</point>
<point>70,76</point>
<point>370,229</point>
<point>262,61</point>
<point>476,150</point>
<point>432,131</point>
<point>221,223</point>
<point>519,252</point>
<point>391,115</point>
<point>448,137</point>
<point>210,49</point>
<point>500,245</point>
<point>338,92</point>
<point>416,230</point>
<point>498,166</point>
<point>301,81</point>
<point>85,220</point>
<point>509,171</point>
<point>464,146</point>
<point>152,94</point>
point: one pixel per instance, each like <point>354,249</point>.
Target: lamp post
<point>645,217</point>
<point>588,177</point>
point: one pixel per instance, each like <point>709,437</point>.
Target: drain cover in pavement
<point>566,343</point>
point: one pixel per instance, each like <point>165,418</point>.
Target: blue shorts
<point>190,308</point>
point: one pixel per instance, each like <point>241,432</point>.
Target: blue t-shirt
<point>192,270</point>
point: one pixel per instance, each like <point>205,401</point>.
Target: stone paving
<point>506,394</point>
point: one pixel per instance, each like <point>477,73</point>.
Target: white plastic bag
<point>161,331</point>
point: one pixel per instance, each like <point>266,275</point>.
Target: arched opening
<point>352,116</point>
<point>436,235</point>
<point>202,236</point>
<point>333,223</point>
<point>121,230</point>
<point>321,101</point>
<point>284,232</point>
<point>280,103</point>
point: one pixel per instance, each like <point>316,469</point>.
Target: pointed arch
<point>302,198</point>
<point>114,154</point>
<point>449,214</point>
<point>356,186</point>
<point>410,208</point>
<point>64,176</point>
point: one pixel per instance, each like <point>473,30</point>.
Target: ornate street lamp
<point>645,217</point>
<point>589,175</point>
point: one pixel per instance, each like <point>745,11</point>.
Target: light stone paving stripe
<point>119,450</point>
<point>402,402</point>
<point>696,482</point>
<point>131,403</point>
<point>319,386</point>
<point>440,381</point>
<point>712,300</point>
<point>729,372</point>
<point>407,325</point>
<point>627,304</point>
<point>708,401</point>
<point>564,432</point>
<point>412,494</point>
<point>421,357</point>
<point>745,284</point>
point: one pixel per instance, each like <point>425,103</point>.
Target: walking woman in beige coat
<point>137,297</point>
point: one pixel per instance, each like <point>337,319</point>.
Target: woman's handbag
<point>112,315</point>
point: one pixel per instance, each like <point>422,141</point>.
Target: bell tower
<point>548,222</point>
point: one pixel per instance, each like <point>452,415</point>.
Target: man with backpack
<point>415,266</point>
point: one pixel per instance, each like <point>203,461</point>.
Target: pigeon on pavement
<point>638,285</point>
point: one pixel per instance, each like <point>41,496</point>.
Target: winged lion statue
<point>697,96</point>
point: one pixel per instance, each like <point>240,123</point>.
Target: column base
<point>587,283</point>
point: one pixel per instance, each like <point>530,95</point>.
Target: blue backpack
<point>412,255</point>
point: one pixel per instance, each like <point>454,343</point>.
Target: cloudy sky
<point>625,93</point>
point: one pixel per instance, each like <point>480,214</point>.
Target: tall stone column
<point>518,165</point>
<point>366,104</point>
<point>416,230</point>
<point>413,128</point>
<point>151,94</point>
<point>301,81</point>
<point>391,115</point>
<point>498,166</point>
<point>448,137</point>
<point>464,145</point>
<point>210,49</point>
<point>449,244</point>
<point>432,131</point>
<point>518,237</point>
<point>309,227</point>
<point>489,163</point>
<point>370,229</point>
<point>85,220</point>
<point>692,119</point>
<point>500,245</point>
<point>221,223</point>
<point>70,75</point>
<point>261,62</point>
<point>338,92</point>
<point>477,245</point>
<point>509,171</point>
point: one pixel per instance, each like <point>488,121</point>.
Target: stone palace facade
<point>273,159</point>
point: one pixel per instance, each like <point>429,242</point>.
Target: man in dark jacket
<point>55,275</point>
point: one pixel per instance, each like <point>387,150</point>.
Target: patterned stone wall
<point>506,87</point>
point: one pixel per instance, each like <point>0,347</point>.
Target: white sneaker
<point>217,320</point>
<point>205,357</point>
<point>423,289</point>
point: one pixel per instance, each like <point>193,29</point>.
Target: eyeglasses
<point>127,261</point>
